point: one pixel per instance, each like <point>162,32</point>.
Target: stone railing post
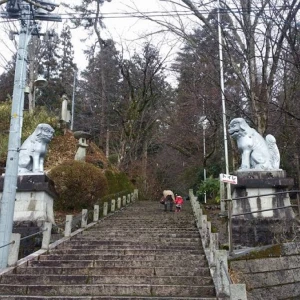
<point>105,207</point>
<point>208,232</point>
<point>238,292</point>
<point>119,203</point>
<point>204,230</point>
<point>113,205</point>
<point>14,249</point>
<point>124,201</point>
<point>128,198</point>
<point>213,246</point>
<point>132,197</point>
<point>196,208</point>
<point>96,213</point>
<point>68,225</point>
<point>46,235</point>
<point>136,194</point>
<point>84,218</point>
<point>199,216</point>
<point>222,281</point>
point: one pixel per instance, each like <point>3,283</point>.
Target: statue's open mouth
<point>232,132</point>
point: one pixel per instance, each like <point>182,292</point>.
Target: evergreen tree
<point>100,91</point>
<point>67,67</point>
<point>7,81</point>
<point>199,105</point>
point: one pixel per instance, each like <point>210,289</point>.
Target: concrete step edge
<point>41,297</point>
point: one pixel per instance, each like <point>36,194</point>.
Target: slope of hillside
<point>63,148</point>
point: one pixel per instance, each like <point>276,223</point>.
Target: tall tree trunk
<point>103,80</point>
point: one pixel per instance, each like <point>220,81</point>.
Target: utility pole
<point>228,186</point>
<point>27,14</point>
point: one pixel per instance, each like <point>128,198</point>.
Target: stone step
<point>138,253</point>
<point>117,245</point>
<point>158,257</point>
<point>155,227</point>
<point>154,240</point>
<point>99,279</point>
<point>162,243</point>
<point>109,289</point>
<point>124,251</point>
<point>155,271</point>
<point>141,229</point>
<point>158,222</point>
<point>39,297</point>
<point>138,234</point>
<point>118,264</point>
<point>156,219</point>
<point>163,228</point>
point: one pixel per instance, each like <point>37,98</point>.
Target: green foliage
<point>79,185</point>
<point>30,121</point>
<point>113,159</point>
<point>211,187</point>
<point>118,182</point>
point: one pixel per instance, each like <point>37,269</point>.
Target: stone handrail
<point>217,259</point>
<point>46,231</point>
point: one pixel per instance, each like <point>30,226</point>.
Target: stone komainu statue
<point>257,153</point>
<point>33,150</point>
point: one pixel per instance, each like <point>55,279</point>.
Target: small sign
<point>228,178</point>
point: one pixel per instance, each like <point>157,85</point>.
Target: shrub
<point>30,121</point>
<point>211,187</point>
<point>79,185</point>
<point>118,182</point>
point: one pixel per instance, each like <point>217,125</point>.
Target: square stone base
<point>34,199</point>
<point>262,231</point>
<point>263,193</point>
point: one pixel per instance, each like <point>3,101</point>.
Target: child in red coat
<point>178,203</point>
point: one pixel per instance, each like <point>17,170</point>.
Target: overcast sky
<point>126,31</point>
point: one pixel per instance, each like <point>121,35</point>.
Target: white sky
<point>126,32</point>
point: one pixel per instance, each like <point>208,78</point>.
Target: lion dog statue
<point>33,150</point>
<point>256,152</point>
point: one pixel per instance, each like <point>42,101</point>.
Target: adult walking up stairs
<point>140,252</point>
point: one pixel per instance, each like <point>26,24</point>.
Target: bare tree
<point>259,28</point>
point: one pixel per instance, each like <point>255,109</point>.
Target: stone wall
<point>271,273</point>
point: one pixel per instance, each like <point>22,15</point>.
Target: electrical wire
<point>172,13</point>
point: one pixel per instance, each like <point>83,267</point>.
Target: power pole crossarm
<point>47,5</point>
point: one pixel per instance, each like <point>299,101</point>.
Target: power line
<point>172,13</point>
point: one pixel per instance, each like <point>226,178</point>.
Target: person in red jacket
<point>178,203</point>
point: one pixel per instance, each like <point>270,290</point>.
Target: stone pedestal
<point>34,199</point>
<point>33,207</point>
<point>263,221</point>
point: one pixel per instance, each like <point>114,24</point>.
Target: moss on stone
<point>266,252</point>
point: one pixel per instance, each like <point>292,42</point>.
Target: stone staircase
<point>140,252</point>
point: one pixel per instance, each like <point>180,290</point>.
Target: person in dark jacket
<point>169,199</point>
